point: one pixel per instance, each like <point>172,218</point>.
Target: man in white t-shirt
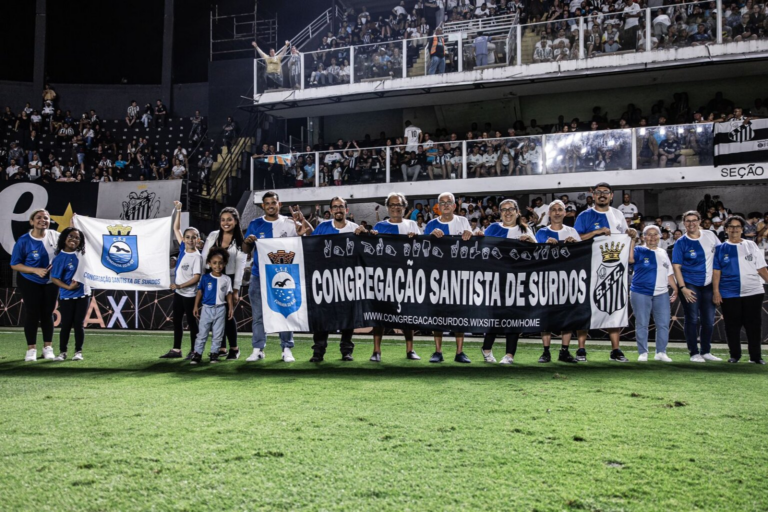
<point>628,208</point>
<point>412,136</point>
<point>542,210</point>
<point>631,24</point>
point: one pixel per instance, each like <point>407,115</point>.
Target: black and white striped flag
<point>740,143</point>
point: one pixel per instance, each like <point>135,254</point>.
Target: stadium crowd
<point>600,143</point>
<point>50,144</point>
<point>712,258</point>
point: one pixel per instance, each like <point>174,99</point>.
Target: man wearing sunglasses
<point>396,204</point>
<point>602,220</point>
<point>448,224</point>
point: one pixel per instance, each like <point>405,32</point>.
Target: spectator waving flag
<point>278,159</point>
<point>740,142</point>
<point>126,255</point>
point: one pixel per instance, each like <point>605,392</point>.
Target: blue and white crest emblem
<point>120,252</point>
<point>283,288</point>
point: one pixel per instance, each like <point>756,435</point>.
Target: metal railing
<point>233,33</point>
<point>496,24</point>
<point>566,39</point>
<point>688,145</point>
<point>316,26</point>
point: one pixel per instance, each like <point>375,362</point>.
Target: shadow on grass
<point>335,369</point>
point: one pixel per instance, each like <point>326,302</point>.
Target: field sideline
<point>123,430</point>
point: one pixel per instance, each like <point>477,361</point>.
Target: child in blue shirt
<point>214,291</point>
<point>74,297</point>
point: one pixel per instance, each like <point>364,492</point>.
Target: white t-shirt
<point>543,213</point>
<point>178,171</point>
<point>412,137</point>
<point>337,173</point>
<point>188,265</point>
<point>629,210</point>
<point>631,9</point>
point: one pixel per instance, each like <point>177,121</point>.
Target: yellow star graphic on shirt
<point>62,221</point>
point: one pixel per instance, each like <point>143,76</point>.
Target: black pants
<point>183,306</point>
<point>73,313</point>
<point>743,312</point>
<point>39,303</point>
<point>230,327</point>
<point>321,342</point>
<point>512,338</point>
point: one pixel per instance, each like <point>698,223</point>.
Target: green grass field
<point>124,430</point>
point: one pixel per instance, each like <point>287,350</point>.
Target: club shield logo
<point>283,283</point>
<point>120,251</point>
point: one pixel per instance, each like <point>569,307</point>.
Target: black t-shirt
<point>160,109</point>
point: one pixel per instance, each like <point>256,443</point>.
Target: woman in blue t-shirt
<point>649,292</point>
<point>74,297</point>
<point>31,257</point>
<point>739,271</point>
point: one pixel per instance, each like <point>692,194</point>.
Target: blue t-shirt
<point>64,268</point>
<point>263,228</point>
<point>591,220</point>
<point>215,289</point>
<point>738,264</point>
<point>403,228</point>
<point>327,228</point>
<point>498,230</point>
<point>695,257</point>
<point>34,252</point>
<point>545,234</point>
<point>652,269</point>
<point>457,226</point>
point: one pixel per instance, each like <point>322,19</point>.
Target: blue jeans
<point>436,65</point>
<point>481,59</point>
<point>259,335</point>
<point>699,319</point>
<point>212,318</point>
<point>643,306</point>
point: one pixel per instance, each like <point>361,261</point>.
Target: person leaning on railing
<point>274,62</point>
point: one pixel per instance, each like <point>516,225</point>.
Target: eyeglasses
<point>602,193</point>
<point>508,210</point>
<point>445,203</point>
<point>396,205</point>
<point>735,226</point>
<point>73,237</point>
<point>338,207</point>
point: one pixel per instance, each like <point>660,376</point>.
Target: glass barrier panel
<point>420,61</point>
<point>488,51</point>
<point>688,145</point>
<point>504,156</point>
<point>550,41</point>
<point>608,150</point>
<point>428,161</point>
<point>326,68</point>
<point>682,25</point>
<point>261,77</point>
<point>615,33</point>
<point>380,61</point>
<point>276,74</point>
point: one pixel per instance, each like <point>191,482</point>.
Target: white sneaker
<point>61,357</point>
<point>642,358</point>
<point>662,356</point>
<point>709,357</point>
<point>488,358</point>
<point>31,355</point>
<point>697,359</point>
<point>288,355</point>
<point>48,353</point>
<point>507,359</point>
<point>78,356</point>
<point>257,354</point>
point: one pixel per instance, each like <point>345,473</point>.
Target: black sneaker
<point>437,357</point>
<point>214,357</point>
<point>618,355</point>
<point>234,353</point>
<point>759,361</point>
<point>581,354</point>
<point>316,358</point>
<point>733,360</point>
<point>172,354</point>
<point>461,357</point>
<point>565,356</point>
<point>413,356</point>
<point>190,355</point>
<point>347,357</point>
<point>196,358</point>
<point>546,357</point>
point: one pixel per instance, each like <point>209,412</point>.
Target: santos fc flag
<point>324,283</point>
<point>125,255</point>
<point>739,142</point>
